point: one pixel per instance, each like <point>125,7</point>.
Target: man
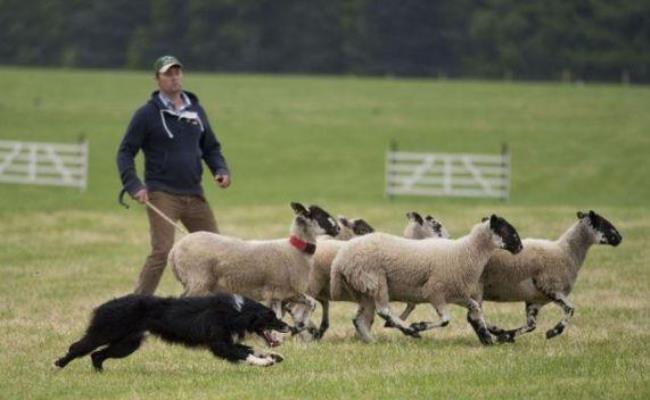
<point>173,132</point>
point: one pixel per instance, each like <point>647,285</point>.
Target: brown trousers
<point>193,211</point>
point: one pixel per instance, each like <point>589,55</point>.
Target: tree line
<point>603,40</point>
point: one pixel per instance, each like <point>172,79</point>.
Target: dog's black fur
<point>217,322</point>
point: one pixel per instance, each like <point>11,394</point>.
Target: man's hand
<point>142,196</point>
<point>222,180</point>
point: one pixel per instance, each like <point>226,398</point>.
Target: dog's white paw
<point>276,357</point>
<point>259,361</point>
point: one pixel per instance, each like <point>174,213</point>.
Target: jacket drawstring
<point>169,133</point>
<point>162,117</point>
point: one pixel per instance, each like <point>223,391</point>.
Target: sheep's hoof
<point>487,341</point>
<point>485,338</point>
<point>296,329</point>
<point>497,331</point>
<point>418,326</point>
<point>553,332</point>
<point>318,335</point>
<point>412,333</point>
<point>506,337</point>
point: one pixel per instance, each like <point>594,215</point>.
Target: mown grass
<point>322,140</point>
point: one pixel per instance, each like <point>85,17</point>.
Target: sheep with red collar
<point>319,277</point>
<point>266,270</point>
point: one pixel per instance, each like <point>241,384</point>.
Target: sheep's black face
<point>415,217</point>
<point>324,220</point>
<point>437,228</point>
<point>315,217</point>
<point>507,233</point>
<point>607,231</point>
<point>361,227</point>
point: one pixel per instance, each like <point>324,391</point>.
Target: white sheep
<point>545,271</point>
<point>265,270</point>
<point>319,280</point>
<point>378,268</point>
<point>419,228</point>
<point>318,287</point>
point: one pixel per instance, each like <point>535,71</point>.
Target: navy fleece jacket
<point>173,147</point>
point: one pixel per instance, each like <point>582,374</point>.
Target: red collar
<point>301,245</point>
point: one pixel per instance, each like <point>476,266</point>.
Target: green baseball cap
<point>164,63</point>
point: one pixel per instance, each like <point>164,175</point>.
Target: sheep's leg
<point>302,320</point>
<point>303,306</point>
<point>325,319</point>
<point>383,308</point>
<point>476,320</point>
<point>563,302</point>
<point>384,311</point>
<point>407,311</point>
<point>387,314</point>
<point>405,314</point>
<point>276,306</point>
<point>503,335</point>
<point>297,307</point>
<point>567,308</point>
<point>363,320</point>
<point>442,312</point>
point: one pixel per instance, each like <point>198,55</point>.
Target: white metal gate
<point>444,174</point>
<point>42,163</point>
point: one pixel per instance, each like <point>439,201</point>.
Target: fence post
<point>392,148</point>
<point>505,170</point>
<point>84,159</point>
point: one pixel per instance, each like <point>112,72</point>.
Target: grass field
<point>322,140</point>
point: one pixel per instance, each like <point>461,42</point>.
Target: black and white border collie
<point>217,322</point>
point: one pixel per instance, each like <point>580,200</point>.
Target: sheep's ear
<point>581,215</point>
<point>429,218</point>
<point>299,208</point>
<point>493,220</point>
<point>484,219</point>
<point>414,216</point>
<point>361,227</point>
<point>344,221</point>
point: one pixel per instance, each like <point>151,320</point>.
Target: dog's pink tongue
<point>271,339</point>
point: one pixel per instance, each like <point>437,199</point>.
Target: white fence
<point>44,163</point>
<point>443,174</point>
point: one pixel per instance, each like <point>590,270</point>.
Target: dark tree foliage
<point>515,39</point>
